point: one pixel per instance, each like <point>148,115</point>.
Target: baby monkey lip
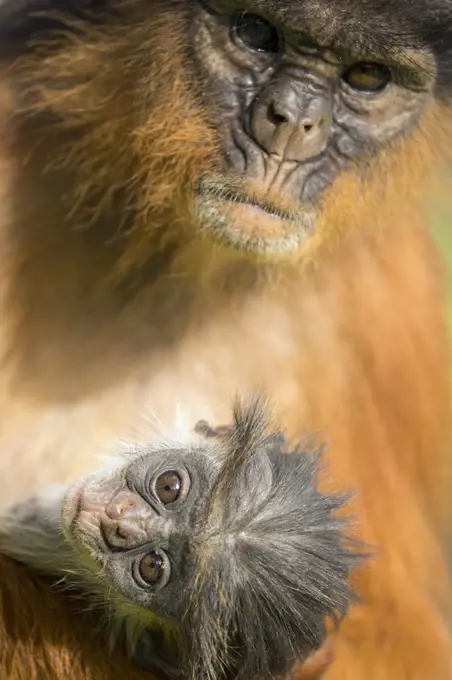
<point>71,512</point>
<point>72,506</point>
<point>82,527</point>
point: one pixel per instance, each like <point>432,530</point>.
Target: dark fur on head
<point>271,561</point>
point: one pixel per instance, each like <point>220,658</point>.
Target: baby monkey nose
<point>126,518</point>
<point>124,504</point>
<point>292,120</point>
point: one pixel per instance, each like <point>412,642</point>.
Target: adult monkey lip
<point>227,193</point>
<point>248,222</point>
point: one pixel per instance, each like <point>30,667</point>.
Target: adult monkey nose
<point>292,119</point>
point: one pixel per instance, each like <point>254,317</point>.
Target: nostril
<point>128,503</point>
<point>279,119</point>
<point>275,116</point>
<point>315,125</point>
<point>119,506</point>
<point>121,532</point>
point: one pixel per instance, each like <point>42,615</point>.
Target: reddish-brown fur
<point>103,323</point>
<point>44,637</point>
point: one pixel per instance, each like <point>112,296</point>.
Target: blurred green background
<point>440,220</point>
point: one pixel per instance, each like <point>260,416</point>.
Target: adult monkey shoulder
<point>162,202</point>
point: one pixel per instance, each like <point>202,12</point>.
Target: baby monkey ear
<point>274,443</point>
<point>202,427</point>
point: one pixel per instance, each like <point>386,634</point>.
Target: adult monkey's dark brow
<point>361,28</point>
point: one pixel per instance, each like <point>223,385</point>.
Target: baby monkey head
<point>230,540</point>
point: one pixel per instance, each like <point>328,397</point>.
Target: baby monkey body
<point>218,558</point>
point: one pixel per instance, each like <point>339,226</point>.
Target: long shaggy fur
<point>269,567</point>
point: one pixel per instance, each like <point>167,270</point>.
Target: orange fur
<point>52,643</point>
<point>115,306</point>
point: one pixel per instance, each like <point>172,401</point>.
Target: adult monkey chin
<point>169,168</point>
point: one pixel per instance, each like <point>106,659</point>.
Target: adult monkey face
<point>298,94</point>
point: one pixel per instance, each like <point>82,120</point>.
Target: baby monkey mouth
<point>250,222</point>
<point>81,519</point>
<point>72,505</point>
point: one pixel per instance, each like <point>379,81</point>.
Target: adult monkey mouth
<point>227,192</point>
<point>249,222</point>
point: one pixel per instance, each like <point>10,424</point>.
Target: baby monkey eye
<point>256,33</point>
<point>152,568</point>
<point>168,487</point>
<point>367,76</point>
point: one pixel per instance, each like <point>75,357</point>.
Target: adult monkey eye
<point>168,487</point>
<point>152,568</point>
<point>367,76</point>
<point>256,33</point>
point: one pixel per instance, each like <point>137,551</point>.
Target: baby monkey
<point>216,559</point>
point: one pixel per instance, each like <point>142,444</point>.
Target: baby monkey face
<point>133,527</point>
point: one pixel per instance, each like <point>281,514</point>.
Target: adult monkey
<point>169,169</point>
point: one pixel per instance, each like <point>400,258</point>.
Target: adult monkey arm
<point>163,197</point>
<point>45,636</point>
